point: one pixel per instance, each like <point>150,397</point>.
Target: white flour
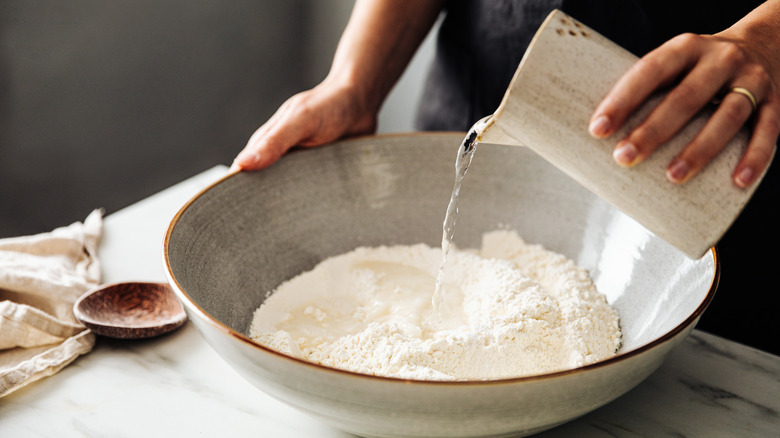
<point>509,310</point>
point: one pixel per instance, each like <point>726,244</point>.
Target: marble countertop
<point>177,385</point>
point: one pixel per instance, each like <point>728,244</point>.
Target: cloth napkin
<point>41,277</point>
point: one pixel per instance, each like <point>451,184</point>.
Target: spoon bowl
<point>133,310</point>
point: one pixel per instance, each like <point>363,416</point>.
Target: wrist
<point>363,91</point>
<point>759,31</point>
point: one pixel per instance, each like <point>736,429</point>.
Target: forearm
<point>378,43</point>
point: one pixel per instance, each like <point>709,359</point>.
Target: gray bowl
<point>249,232</point>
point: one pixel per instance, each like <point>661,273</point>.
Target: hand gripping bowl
<point>249,232</point>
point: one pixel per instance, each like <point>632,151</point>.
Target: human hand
<point>702,68</point>
<point>311,118</point>
<point>376,46</point>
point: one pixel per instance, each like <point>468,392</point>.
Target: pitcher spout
<point>490,132</point>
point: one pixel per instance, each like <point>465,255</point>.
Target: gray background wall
<point>105,103</point>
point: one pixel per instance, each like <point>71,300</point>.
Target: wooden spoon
<point>132,310</point>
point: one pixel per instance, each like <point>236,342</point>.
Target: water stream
<point>465,154</point>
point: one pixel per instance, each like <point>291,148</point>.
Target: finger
<point>255,154</point>
<point>284,130</point>
<point>249,158</point>
<point>671,115</point>
<point>761,147</point>
<point>266,147</point>
<point>731,115</point>
<point>655,70</point>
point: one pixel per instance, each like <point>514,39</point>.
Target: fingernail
<point>677,170</point>
<point>600,126</point>
<point>744,177</point>
<point>248,158</point>
<point>625,154</point>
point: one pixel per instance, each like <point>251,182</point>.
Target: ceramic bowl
<point>249,232</point>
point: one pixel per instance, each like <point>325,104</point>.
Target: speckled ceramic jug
<point>565,73</point>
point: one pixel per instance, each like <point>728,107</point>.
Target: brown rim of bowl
<point>187,302</point>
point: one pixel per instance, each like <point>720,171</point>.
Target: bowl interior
<point>248,233</point>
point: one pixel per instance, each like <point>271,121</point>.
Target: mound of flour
<point>510,310</point>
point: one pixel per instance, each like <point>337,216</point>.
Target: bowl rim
<point>621,357</point>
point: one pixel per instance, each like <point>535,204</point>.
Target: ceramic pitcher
<point>565,73</point>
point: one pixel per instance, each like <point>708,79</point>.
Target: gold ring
<point>748,94</point>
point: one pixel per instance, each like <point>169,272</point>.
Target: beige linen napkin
<point>41,276</point>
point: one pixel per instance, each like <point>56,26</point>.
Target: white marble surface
<point>177,386</point>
